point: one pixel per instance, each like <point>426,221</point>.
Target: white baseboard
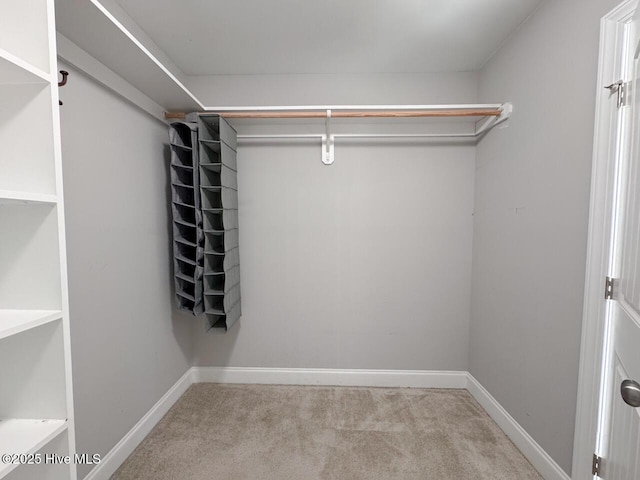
<point>119,453</point>
<point>335,377</point>
<point>546,466</point>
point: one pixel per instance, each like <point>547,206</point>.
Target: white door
<point>621,415</point>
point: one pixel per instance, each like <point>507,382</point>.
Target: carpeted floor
<point>247,432</point>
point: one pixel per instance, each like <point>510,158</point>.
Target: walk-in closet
<point>312,239</point>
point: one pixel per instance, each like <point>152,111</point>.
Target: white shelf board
<point>14,70</point>
<point>9,196</point>
<point>21,436</point>
<point>107,39</point>
<point>16,321</point>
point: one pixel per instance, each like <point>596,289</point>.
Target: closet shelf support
<point>352,111</point>
<point>328,142</point>
<point>490,117</point>
<point>483,127</point>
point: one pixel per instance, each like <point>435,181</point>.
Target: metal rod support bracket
<point>491,122</point>
<point>328,142</point>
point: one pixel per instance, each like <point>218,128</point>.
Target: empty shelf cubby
<point>186,251</point>
<point>213,127</point>
<point>184,232</point>
<point>214,304</point>
<point>213,222</point>
<point>26,166</point>
<point>210,151</point>
<point>185,267</point>
<point>214,263</point>
<point>183,134</point>
<point>185,303</point>
<point>221,263</point>
<point>181,157</point>
<point>184,277</point>
<point>212,198</point>
<point>220,219</point>
<point>214,284</point>
<point>219,175</point>
<point>29,257</point>
<point>185,287</point>
<point>217,322</point>
<point>180,239</point>
<point>183,193</point>
<point>184,214</point>
<point>182,176</point>
<point>214,244</point>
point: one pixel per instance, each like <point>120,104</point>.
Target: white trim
<point>145,50</point>
<point>335,377</point>
<point>62,234</point>
<point>598,246</point>
<point>75,56</point>
<point>537,456</point>
<point>119,453</point>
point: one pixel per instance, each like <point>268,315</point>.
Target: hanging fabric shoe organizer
<point>205,218</point>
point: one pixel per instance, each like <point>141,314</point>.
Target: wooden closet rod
<point>493,112</point>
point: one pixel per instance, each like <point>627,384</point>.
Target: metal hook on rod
<point>63,82</point>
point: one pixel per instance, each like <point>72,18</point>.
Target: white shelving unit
<point>36,405</point>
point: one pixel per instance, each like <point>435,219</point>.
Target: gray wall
<point>127,351</point>
<point>336,89</point>
<point>363,264</point>
<point>531,212</point>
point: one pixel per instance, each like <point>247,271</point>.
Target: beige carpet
<point>220,432</point>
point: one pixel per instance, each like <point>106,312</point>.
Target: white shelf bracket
<point>328,142</point>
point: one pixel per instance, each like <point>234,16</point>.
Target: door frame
<point>603,188</point>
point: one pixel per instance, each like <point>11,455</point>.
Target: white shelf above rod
<point>298,108</point>
<point>492,115</point>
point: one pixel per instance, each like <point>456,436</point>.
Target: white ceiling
<point>206,37</point>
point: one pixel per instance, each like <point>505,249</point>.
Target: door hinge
<point>609,288</point>
<point>596,465</point>
<point>621,89</point>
